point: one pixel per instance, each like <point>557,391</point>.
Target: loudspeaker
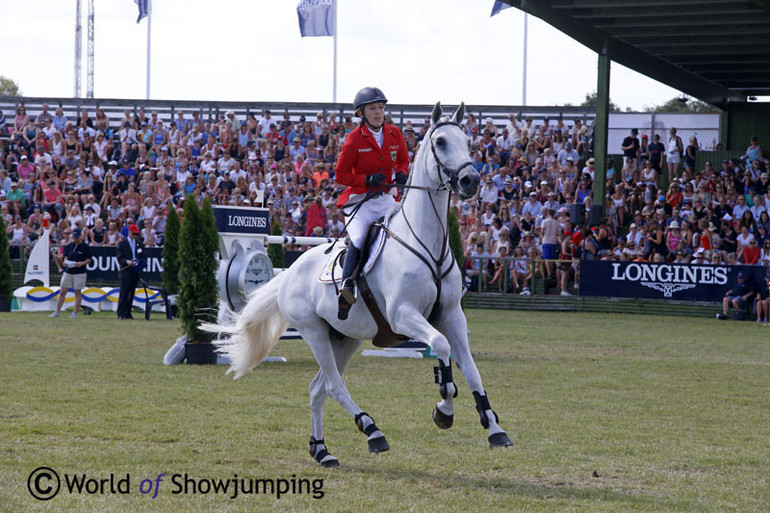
<point>595,218</point>
<point>577,214</point>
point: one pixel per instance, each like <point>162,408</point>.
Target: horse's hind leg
<point>343,352</point>
<point>316,335</point>
<point>456,328</point>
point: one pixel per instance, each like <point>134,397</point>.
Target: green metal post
<point>600,127</point>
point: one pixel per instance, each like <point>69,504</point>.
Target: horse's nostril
<point>465,182</point>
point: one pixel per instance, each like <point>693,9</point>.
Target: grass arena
<point>606,413</point>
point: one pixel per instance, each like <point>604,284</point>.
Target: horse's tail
<point>256,331</point>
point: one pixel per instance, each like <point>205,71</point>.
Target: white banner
<point>38,265</point>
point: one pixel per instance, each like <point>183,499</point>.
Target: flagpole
<point>524,67</point>
<point>334,80</point>
<point>149,46</point>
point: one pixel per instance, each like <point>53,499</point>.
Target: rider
<point>373,152</point>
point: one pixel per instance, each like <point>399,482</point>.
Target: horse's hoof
<point>441,420</point>
<point>332,463</point>
<point>499,440</point>
<point>378,444</point>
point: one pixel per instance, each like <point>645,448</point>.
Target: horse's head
<point>449,147</point>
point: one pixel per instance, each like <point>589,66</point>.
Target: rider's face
<point>375,113</point>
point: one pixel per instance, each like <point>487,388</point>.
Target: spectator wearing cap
<point>656,151</point>
<point>489,193</point>
<point>231,121</point>
<point>25,168</point>
<point>532,206</point>
<point>567,153</point>
<point>129,253</point>
<point>737,297</point>
<point>75,256</point>
<point>16,199</point>
<point>296,148</point>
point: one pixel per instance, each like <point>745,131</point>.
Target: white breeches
<point>368,213</point>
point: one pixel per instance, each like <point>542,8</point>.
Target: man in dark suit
<point>130,252</point>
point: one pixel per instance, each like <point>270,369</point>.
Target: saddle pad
<point>329,266</point>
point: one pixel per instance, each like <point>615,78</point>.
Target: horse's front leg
<point>455,326</point>
<point>412,324</point>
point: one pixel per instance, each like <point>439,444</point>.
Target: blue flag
<point>316,18</point>
<point>499,6</point>
<point>144,9</point>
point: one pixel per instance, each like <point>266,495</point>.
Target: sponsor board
<point>242,220</point>
<point>104,264</point>
<point>684,282</point>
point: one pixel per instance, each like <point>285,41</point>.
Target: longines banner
<point>685,282</point>
<point>104,265</point>
<point>242,220</point>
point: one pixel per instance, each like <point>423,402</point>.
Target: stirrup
<point>348,291</point>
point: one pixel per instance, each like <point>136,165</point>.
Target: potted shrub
<point>6,271</point>
<point>198,245</point>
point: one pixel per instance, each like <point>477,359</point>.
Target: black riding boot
<point>348,293</point>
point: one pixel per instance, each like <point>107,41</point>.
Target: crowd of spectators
<point>659,206</point>
<point>101,175</point>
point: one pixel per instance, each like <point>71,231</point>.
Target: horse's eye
<point>440,143</point>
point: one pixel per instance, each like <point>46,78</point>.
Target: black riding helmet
<point>365,96</point>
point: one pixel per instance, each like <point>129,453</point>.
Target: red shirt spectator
<point>751,253</point>
<point>316,215</point>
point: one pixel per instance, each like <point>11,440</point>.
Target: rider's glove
<point>400,178</point>
<point>375,180</point>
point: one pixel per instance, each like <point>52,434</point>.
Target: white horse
<point>414,268</point>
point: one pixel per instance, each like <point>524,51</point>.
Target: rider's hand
<point>400,178</point>
<point>375,180</point>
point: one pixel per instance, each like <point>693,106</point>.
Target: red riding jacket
<point>362,156</point>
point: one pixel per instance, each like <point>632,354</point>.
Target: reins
<point>435,263</point>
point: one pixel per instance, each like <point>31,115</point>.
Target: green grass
<point>607,413</point>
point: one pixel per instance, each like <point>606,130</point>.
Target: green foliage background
<point>275,251</point>
<point>6,271</point>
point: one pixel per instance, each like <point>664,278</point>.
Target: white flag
<point>39,260</point>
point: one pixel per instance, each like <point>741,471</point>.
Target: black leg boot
<point>348,294</point>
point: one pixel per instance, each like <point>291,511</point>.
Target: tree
<point>170,273</point>
<point>6,271</point>
<point>8,87</point>
<point>275,251</point>
<point>677,105</point>
<point>455,240</point>
<point>197,270</point>
<point>592,99</point>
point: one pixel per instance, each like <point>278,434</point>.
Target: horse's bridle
<point>452,173</point>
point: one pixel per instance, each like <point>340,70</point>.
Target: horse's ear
<point>459,114</point>
<point>437,111</point>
